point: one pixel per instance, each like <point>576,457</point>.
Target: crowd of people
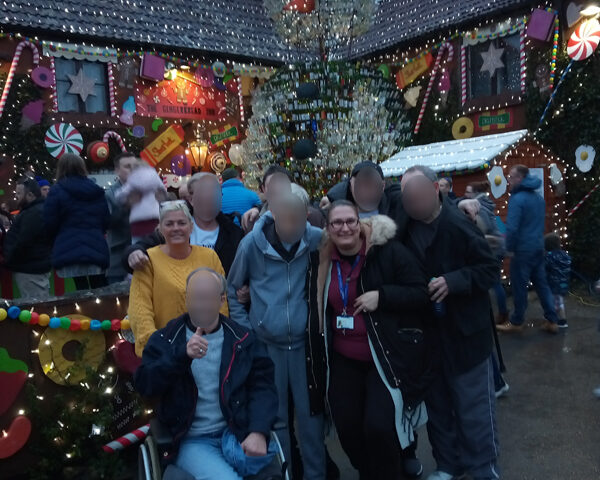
<point>367,312</point>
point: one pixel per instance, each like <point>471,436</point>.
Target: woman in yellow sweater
<point>157,293</point>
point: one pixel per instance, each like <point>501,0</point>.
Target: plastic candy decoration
<point>462,128</point>
<point>445,48</point>
<point>13,67</point>
<point>42,77</point>
<point>152,67</point>
<point>31,114</point>
<point>205,77</point>
<point>385,70</point>
<point>300,6</point>
<point>156,123</point>
<point>219,69</point>
<point>63,138</point>
<point>128,111</point>
<point>236,154</point>
<point>584,40</point>
<point>98,152</point>
<point>115,136</point>
<point>138,131</point>
<point>584,158</point>
<point>180,165</point>
<point>162,145</point>
<point>411,95</point>
<point>497,181</point>
<point>217,162</point>
<point>15,438</point>
<point>128,439</point>
<point>13,374</point>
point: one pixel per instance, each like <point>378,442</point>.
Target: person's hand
<point>137,260</point>
<point>197,346</point>
<point>249,218</point>
<point>367,302</point>
<point>255,445</point>
<point>325,203</point>
<point>470,208</point>
<point>243,294</point>
<point>438,289</point>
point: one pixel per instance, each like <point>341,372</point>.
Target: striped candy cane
<point>523,60</point>
<point>128,439</point>
<point>54,91</point>
<point>445,46</point>
<point>582,201</point>
<point>117,137</point>
<point>13,68</point>
<point>463,74</point>
<point>111,91</point>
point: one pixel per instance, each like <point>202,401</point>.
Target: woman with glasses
<point>371,294</point>
<point>157,292</point>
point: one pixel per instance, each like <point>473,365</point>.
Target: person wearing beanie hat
<point>44,187</point>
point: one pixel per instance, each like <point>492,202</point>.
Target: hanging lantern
<point>198,149</point>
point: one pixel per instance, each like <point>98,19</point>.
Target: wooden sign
<point>408,74</point>
<point>220,136</point>
<point>494,120</point>
<point>164,144</point>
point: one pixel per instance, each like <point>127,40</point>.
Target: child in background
<point>558,271</point>
<point>143,191</point>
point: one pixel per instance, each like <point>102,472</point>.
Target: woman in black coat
<point>76,217</point>
<point>372,295</point>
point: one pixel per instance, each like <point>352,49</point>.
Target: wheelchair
<point>150,468</point>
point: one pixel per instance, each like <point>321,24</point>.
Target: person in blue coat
<point>237,199</point>
<point>76,217</point>
<point>525,225</point>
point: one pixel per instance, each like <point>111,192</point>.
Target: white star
<point>82,85</point>
<point>492,59</point>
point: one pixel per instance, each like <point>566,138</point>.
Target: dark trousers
<point>462,423</point>
<point>90,282</point>
<point>363,413</point>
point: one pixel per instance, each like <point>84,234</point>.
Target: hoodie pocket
<point>283,322</point>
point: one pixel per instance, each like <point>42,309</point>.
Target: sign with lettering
<point>164,144</point>
<point>220,136</point>
<point>408,74</point>
<point>182,97</point>
<point>493,120</point>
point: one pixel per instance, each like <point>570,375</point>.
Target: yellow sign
<point>413,70</point>
<point>164,144</point>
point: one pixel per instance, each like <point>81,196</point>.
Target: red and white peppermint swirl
<point>584,40</point>
<point>63,138</point>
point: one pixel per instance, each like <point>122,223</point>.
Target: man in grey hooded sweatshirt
<point>273,260</point>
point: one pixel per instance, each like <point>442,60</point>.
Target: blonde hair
<point>175,206</point>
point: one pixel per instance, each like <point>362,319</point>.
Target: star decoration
<point>82,85</point>
<point>492,60</point>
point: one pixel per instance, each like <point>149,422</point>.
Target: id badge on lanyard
<point>345,321</point>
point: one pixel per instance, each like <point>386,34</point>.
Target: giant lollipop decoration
<point>63,138</point>
<point>581,45</point>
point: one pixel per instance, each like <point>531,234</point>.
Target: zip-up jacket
<point>247,392</point>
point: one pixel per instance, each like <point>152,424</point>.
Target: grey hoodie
<point>279,306</point>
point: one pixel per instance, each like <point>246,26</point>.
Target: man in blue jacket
<point>525,225</point>
<point>236,197</point>
<point>214,380</point>
<point>273,260</point>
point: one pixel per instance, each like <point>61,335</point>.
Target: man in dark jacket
<point>119,233</point>
<point>212,228</point>
<point>215,385</point>
<point>27,249</point>
<point>457,258</point>
<point>525,224</point>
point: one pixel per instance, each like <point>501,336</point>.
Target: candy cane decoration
<point>463,74</point>
<point>434,71</point>
<point>111,91</point>
<point>117,137</point>
<point>582,201</point>
<point>523,60</point>
<point>128,439</point>
<point>13,67</point>
<point>54,94</point>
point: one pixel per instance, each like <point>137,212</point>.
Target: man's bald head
<point>205,293</point>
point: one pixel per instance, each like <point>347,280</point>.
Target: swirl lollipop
<point>63,138</point>
<point>584,40</point>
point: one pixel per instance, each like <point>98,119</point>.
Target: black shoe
<point>412,467</point>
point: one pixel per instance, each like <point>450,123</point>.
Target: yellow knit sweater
<point>157,293</point>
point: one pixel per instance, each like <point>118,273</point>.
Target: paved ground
<point>549,422</point>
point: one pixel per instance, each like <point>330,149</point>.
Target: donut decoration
<point>463,128</point>
<point>217,162</point>
<point>584,40</point>
<point>42,77</point>
<point>57,364</point>
<point>63,138</point>
<point>180,165</point>
<point>98,151</point>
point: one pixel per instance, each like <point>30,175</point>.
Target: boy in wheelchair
<point>215,385</point>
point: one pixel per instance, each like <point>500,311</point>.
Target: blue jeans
<point>500,293</point>
<point>526,266</point>
<point>202,457</point>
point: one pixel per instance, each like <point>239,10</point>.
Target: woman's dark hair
<point>341,203</point>
<point>480,187</point>
<point>70,165</point>
<point>552,242</point>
